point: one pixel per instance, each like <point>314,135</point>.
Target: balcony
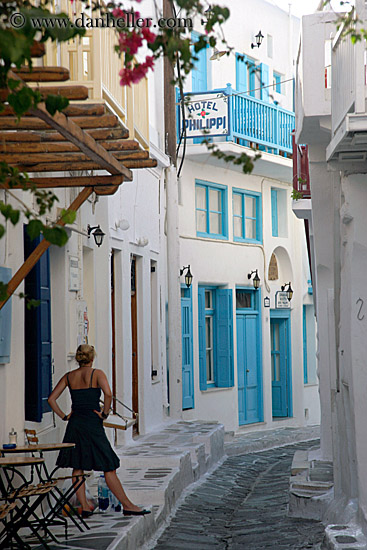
<point>301,173</point>
<point>93,63</point>
<point>348,94</point>
<point>225,115</point>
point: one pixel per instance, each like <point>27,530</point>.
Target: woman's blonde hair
<point>85,354</point>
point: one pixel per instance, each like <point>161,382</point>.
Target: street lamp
<point>188,276</point>
<point>259,38</point>
<point>289,290</point>
<point>255,280</point>
<point>97,234</point>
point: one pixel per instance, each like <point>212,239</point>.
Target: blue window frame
<point>277,82</point>
<point>247,216</point>
<point>215,323</point>
<point>211,210</point>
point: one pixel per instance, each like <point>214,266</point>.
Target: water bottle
<point>115,504</point>
<point>103,492</point>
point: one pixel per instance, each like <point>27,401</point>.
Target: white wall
<point>218,262</point>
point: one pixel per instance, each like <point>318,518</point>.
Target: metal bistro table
<point>62,499</point>
<point>22,508</point>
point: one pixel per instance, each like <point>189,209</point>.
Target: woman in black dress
<point>92,449</point>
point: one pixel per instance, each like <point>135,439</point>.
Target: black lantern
<point>259,38</point>
<point>188,276</point>
<point>255,280</point>
<point>288,290</point>
<point>97,234</point>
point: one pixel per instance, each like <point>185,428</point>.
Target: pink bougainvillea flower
<point>117,12</point>
<point>148,35</point>
<point>149,62</point>
<point>130,42</point>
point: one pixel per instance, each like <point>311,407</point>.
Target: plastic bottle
<point>103,494</point>
<point>13,437</point>
<point>115,504</point>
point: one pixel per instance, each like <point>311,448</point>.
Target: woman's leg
<point>115,486</point>
<point>80,493</point>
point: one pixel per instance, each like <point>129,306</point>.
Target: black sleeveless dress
<point>92,449</point>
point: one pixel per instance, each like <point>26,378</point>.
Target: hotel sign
<point>206,115</point>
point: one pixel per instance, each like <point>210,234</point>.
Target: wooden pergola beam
<point>34,136</point>
<point>33,258</point>
<point>72,92</point>
<point>63,146</point>
<point>75,181</point>
<point>43,74</point>
<point>73,110</point>
<point>33,122</point>
<point>30,159</point>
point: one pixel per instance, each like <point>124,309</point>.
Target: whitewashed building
<point>112,296</point>
<point>331,119</point>
<point>248,358</point>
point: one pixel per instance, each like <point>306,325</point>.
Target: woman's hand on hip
<point>99,413</point>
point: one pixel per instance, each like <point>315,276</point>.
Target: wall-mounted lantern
<point>255,280</point>
<point>259,38</point>
<point>97,234</point>
<point>188,276</point>
<point>288,289</point>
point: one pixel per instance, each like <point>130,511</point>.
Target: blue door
<point>279,367</point>
<point>249,361</point>
<point>187,353</point>
<point>38,360</point>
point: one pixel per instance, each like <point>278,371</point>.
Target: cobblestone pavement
<point>242,505</point>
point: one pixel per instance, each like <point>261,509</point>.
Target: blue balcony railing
<point>249,121</point>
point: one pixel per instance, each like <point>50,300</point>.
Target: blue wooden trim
<point>191,345</point>
<point>256,311</point>
<point>286,314</point>
<point>259,228</point>
<point>264,82</point>
<point>278,82</point>
<point>5,320</point>
<point>305,370</point>
<point>224,212</point>
<point>201,333</point>
<point>274,213</point>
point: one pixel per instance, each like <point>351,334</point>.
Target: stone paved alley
<point>242,505</point>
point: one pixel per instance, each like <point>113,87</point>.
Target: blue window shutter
<point>224,338</point>
<point>241,73</point>
<point>199,73</point>
<point>274,212</point>
<point>201,326</point>
<point>264,82</point>
<point>5,320</point>
<point>38,360</point>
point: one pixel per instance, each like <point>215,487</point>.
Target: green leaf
<point>56,103</point>
<point>3,291</point>
<point>55,235</point>
<point>68,216</point>
<point>21,101</point>
<point>32,303</point>
<point>34,229</point>
<point>2,230</point>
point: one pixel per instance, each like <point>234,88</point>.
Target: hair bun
<point>85,354</point>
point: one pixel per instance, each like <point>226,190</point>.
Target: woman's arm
<point>55,394</point>
<point>104,385</point>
